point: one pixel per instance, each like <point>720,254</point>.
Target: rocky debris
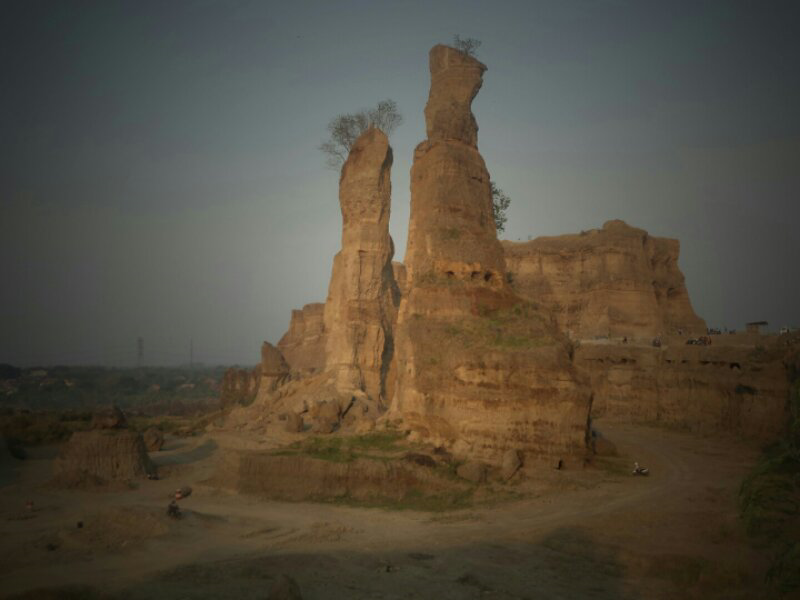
<point>327,411</point>
<point>475,363</point>
<point>153,439</point>
<point>324,425</point>
<point>364,425</point>
<point>101,456</point>
<point>294,423</point>
<point>617,281</point>
<point>325,416</point>
<point>110,417</point>
<point>473,471</point>
<point>303,345</point>
<point>285,588</point>
<point>362,295</point>
<point>512,461</point>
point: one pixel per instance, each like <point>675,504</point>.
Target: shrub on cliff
<point>345,129</point>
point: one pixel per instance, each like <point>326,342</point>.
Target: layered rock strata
<point>106,454</point>
<point>303,345</point>
<point>479,370</point>
<point>362,296</point>
<point>617,281</point>
<point>721,388</point>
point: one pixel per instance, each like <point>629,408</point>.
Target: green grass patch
<point>381,445</point>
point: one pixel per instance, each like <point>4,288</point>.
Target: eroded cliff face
<point>728,387</point>
<point>362,297</point>
<point>303,345</point>
<point>616,281</point>
<point>479,370</point>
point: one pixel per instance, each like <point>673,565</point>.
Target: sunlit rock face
<point>303,345</point>
<point>617,281</point>
<point>273,371</point>
<point>479,370</point>
<point>362,296</point>
<point>729,386</point>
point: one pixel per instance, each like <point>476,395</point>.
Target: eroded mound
<point>93,459</point>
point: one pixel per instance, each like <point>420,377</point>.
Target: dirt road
<point>594,533</point>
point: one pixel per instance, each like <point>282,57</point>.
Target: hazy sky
<point>159,171</point>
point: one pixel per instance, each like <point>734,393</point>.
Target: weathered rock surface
<point>239,386</point>
<point>303,345</point>
<point>511,464</point>
<point>153,439</point>
<point>294,423</point>
<point>362,296</point>
<point>472,471</point>
<point>101,456</point>
<point>272,372</point>
<point>727,388</point>
<point>616,281</point>
<point>479,370</point>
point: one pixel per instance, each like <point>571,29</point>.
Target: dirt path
<point>598,533</point>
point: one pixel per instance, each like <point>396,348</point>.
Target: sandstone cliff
<point>362,296</point>
<point>303,345</point>
<point>479,370</point>
<point>724,387</point>
<point>239,386</point>
<point>616,281</point>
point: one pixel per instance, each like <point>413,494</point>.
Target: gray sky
<point>159,171</point>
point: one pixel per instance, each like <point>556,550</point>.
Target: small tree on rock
<point>345,129</point>
<point>468,46</point>
<point>500,203</point>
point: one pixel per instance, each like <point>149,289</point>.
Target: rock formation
<point>362,296</point>
<point>273,369</point>
<point>106,454</point>
<point>617,281</point>
<point>153,439</point>
<point>339,353</point>
<point>109,417</point>
<point>479,370</point>
<point>303,345</point>
<point>724,387</point>
<point>239,386</point>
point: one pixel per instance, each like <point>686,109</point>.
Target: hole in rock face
<point>487,276</point>
<point>450,274</point>
<point>736,365</point>
<point>475,274</point>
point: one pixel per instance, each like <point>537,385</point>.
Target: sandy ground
<point>593,533</point>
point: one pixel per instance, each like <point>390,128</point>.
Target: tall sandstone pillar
<point>479,370</point>
<point>362,296</point>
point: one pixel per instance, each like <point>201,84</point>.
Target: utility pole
<point>139,351</point>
